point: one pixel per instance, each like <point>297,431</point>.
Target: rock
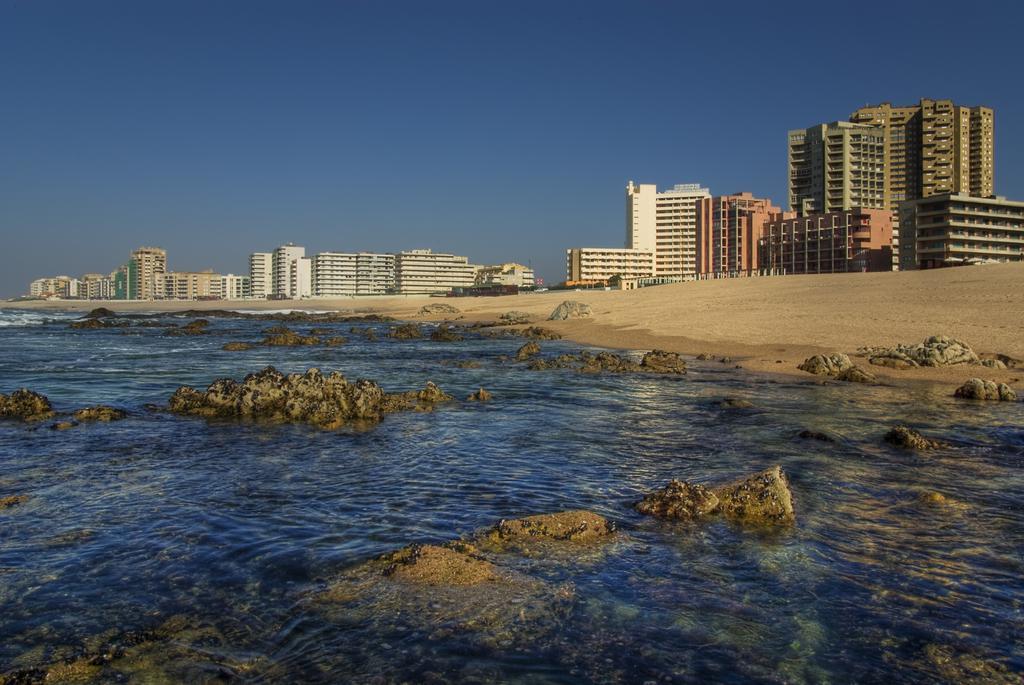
<point>826,365</point>
<point>978,389</point>
<point>908,438</point>
<point>562,361</point>
<point>100,313</point>
<point>407,331</point>
<point>735,403</point>
<point>997,364</point>
<point>327,401</point>
<point>938,350</point>
<point>236,346</point>
<point>92,324</point>
<point>725,360</point>
<point>444,333</point>
<point>815,435</point>
<point>966,668</point>
<point>936,500</point>
<point>197,327</point>
<point>679,500</point>
<point>764,498</point>
<point>578,525</point>
<point>539,333</point>
<point>26,405</point>
<point>334,341</point>
<point>855,374</point>
<point>433,565</point>
<point>704,356</point>
<point>606,361</point>
<point>100,412</point>
<point>528,350</point>
<point>513,318</point>
<point>480,395</point>
<point>12,500</point>
<point>63,425</point>
<point>570,310</point>
<point>281,336</point>
<point>659,361</point>
<point>438,308</point>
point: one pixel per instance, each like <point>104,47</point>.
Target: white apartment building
<point>340,274</point>
<point>234,287</point>
<point>423,272</point>
<point>56,286</point>
<point>506,274</point>
<point>665,223</point>
<point>189,285</point>
<point>292,273</point>
<point>261,274</point>
<point>97,286</point>
<point>594,264</point>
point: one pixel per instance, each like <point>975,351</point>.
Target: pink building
<point>729,228</point>
<point>837,242</point>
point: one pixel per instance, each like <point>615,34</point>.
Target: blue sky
<point>503,131</point>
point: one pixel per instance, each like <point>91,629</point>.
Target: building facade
<point>506,274</point>
<point>341,274</point>
<point>56,286</point>
<point>729,229</point>
<point>957,228</point>
<point>838,242</point>
<point>234,287</point>
<point>665,223</point>
<point>145,266</point>
<point>189,285</point>
<point>835,167</point>
<point>292,273</point>
<point>597,265</point>
<point>424,272</point>
<point>261,274</point>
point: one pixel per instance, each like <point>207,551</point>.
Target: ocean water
<point>217,541</point>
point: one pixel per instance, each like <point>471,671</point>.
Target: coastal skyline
<point>210,131</point>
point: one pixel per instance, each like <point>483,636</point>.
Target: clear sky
<point>499,130</point>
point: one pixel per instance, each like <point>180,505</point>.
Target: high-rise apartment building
<point>338,274</point>
<point>261,274</point>
<point>145,265</point>
<point>665,223</point>
<point>729,229</point>
<point>292,273</point>
<point>425,272</point>
<point>957,228</point>
<point>934,147</point>
<point>836,167</point>
<point>595,265</point>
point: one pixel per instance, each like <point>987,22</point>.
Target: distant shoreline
<point>767,324</point>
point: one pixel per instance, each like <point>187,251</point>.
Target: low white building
<point>341,274</point>
<point>55,286</point>
<point>424,272</point>
<point>506,274</point>
<point>588,265</point>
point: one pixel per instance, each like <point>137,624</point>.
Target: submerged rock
<point>100,412</point>
<point>197,327</point>
<point>530,349</point>
<point>735,403</point>
<point>95,323</point>
<point>577,525</point>
<point>826,364</point>
<point>328,401</point>
<point>679,500</point>
<point>571,310</point>
<point>335,341</point>
<point>433,565</point>
<point>236,346</point>
<point>965,668</point>
<point>512,318</point>
<point>808,434</point>
<point>444,333</point>
<point>26,405</point>
<point>759,499</point>
<point>11,501</point>
<point>407,331</point>
<point>938,350</point>
<point>908,438</point>
<point>464,364</point>
<point>281,336</point>
<point>438,308</point>
<point>480,395</point>
<point>979,389</point>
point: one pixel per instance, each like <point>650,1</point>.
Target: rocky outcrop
<point>197,327</point>
<point>513,318</point>
<point>855,374</point>
<point>908,438</point>
<point>938,350</point>
<point>979,389</point>
<point>538,333</point>
<point>826,364</point>
<point>407,331</point>
<point>236,346</point>
<point>95,323</point>
<point>11,501</point>
<point>438,308</point>
<point>761,499</point>
<point>26,405</point>
<point>656,361</point>
<point>659,361</point>
<point>282,336</point>
<point>445,333</point>
<point>480,395</point>
<point>434,565</point>
<point>327,401</point>
<point>530,349</point>
<point>100,412</point>
<point>577,525</point>
<point>100,313</point>
<point>334,341</point>
<point>571,310</point>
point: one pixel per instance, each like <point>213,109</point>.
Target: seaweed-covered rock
<point>577,525</point>
<point>444,333</point>
<point>826,364</point>
<point>438,308</point>
<point>855,374</point>
<point>512,318</point>
<point>539,333</point>
<point>236,346</point>
<point>659,361</point>
<point>197,327</point>
<point>764,498</point>
<point>26,405</point>
<point>281,336</point>
<point>95,323</point>
<point>529,349</point>
<point>571,310</point>
<point>965,668</point>
<point>100,313</point>
<point>433,565</point>
<point>562,361</point>
<point>11,501</point>
<point>407,331</point>
<point>328,401</point>
<point>480,395</point>
<point>979,389</point>
<point>679,500</point>
<point>908,438</point>
<point>100,412</point>
<point>938,350</point>
<point>334,341</point>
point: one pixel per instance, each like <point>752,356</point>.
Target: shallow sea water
<point>230,533</point>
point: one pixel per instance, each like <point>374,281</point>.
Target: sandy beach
<point>764,324</point>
